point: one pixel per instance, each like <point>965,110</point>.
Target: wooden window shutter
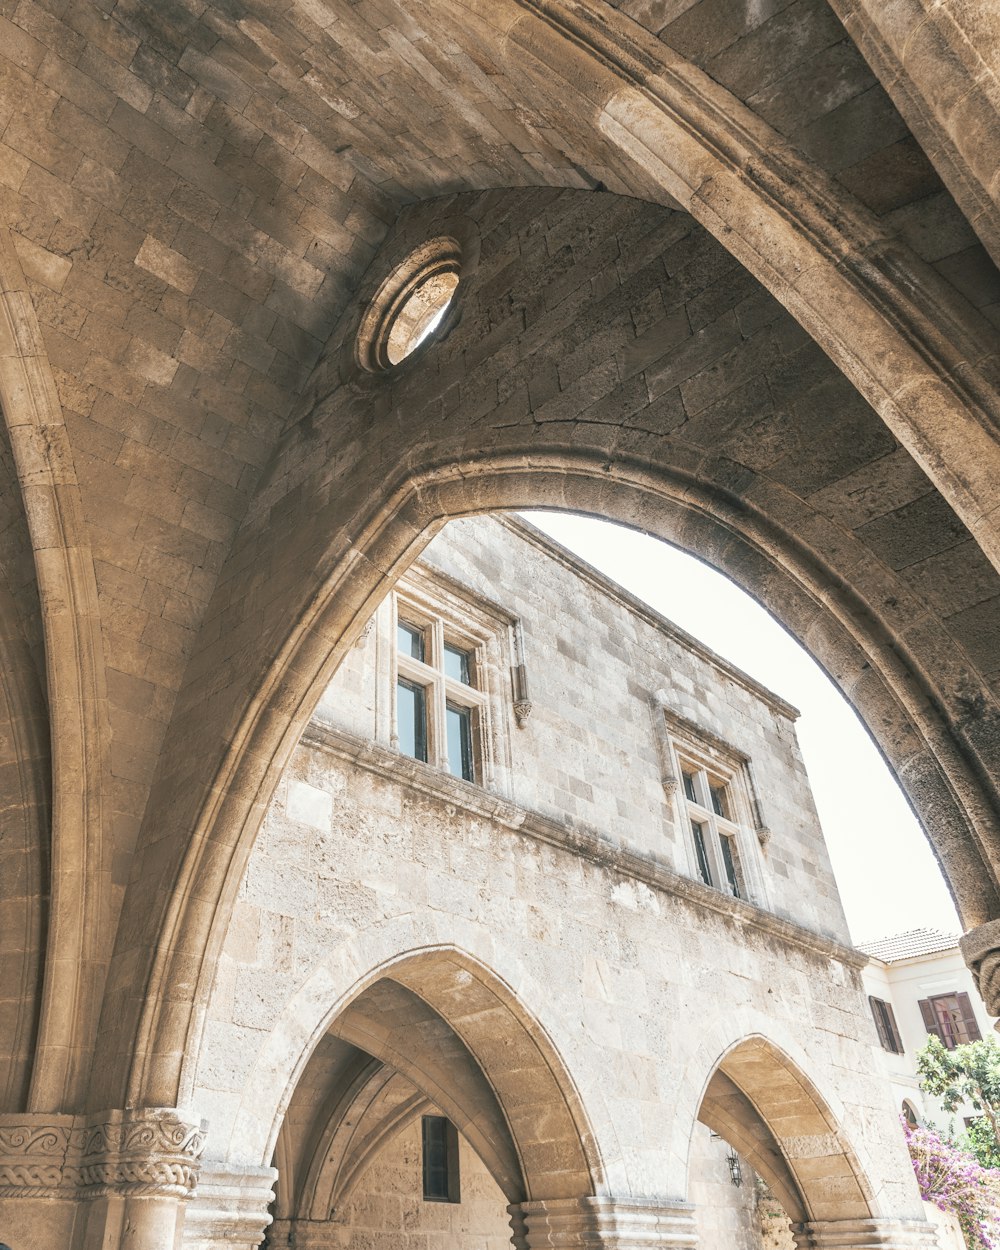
<point>893,1031</point>
<point>875,1003</point>
<point>969,1016</point>
<point>929,1017</point>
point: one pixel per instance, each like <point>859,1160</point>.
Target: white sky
<point>888,877</point>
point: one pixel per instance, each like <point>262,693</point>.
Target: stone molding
<point>305,1235</point>
<point>811,243</point>
<point>980,949</point>
<point>230,1206</point>
<point>873,1234</point>
<point>614,1223</point>
<point>571,837</point>
<point>150,1152</point>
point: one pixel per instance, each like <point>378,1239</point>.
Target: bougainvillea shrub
<point>954,1181</point>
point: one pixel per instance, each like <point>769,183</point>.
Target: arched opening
<point>311,586</point>
<point>435,1036</point>
<point>407,1141</point>
<point>781,1130</point>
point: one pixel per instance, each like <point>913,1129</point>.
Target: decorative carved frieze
<point>33,1155</point>
<point>980,949</point>
<point>148,1152</point>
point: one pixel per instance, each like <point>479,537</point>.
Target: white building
<point>918,984</point>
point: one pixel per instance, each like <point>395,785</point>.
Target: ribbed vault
<point>683,401</point>
<point>795,377</point>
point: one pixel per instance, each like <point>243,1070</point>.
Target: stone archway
<point>506,1071</point>
<point>367,515</point>
<point>341,1074</point>
<point>763,1104</point>
<point>65,638</point>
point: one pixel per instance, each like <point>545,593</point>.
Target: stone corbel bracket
<point>147,1152</point>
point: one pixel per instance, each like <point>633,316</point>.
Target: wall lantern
<point>735,1171</point>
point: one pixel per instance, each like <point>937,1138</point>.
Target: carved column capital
<point>595,1223</point>
<point>150,1152</point>
<point>33,1153</point>
<point>522,710</point>
<point>980,949</point>
<point>873,1234</point>
<point>143,1152</point>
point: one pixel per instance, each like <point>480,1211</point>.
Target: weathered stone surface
<point>202,503</point>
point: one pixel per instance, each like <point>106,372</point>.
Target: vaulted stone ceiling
<point>196,195</point>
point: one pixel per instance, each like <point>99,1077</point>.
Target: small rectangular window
<point>698,831</point>
<point>719,804</point>
<point>689,794</point>
<point>410,641</point>
<point>411,720</point>
<point>439,1140</point>
<point>456,664</point>
<point>459,731</point>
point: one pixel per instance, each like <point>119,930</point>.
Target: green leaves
<point>969,1073</point>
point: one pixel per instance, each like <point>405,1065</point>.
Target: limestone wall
<point>726,1215</point>
<point>639,989</point>
<point>386,1211</point>
<point>588,752</point>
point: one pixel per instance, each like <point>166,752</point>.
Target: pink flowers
<point>953,1180</point>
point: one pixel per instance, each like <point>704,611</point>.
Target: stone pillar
<point>980,949</point>
<point>229,1208</point>
<point>873,1234</point>
<point>306,1235</point>
<point>603,1224</point>
<point>119,1179</point>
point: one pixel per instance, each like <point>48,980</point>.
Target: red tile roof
<point>909,945</point>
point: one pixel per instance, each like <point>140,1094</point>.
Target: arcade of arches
<point>726,274</point>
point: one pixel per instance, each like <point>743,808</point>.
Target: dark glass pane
<point>411,720</point>
<point>456,663</point>
<point>727,859</point>
<point>719,801</point>
<point>435,1157</point>
<point>459,727</point>
<point>689,786</point>
<point>698,830</point>
<point>410,640</point>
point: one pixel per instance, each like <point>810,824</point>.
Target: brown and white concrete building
<point>919,986</point>
<point>721,270</point>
